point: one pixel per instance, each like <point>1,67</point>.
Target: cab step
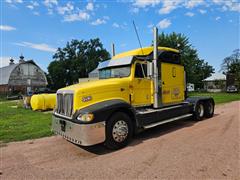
<point>167,120</point>
<point>148,117</point>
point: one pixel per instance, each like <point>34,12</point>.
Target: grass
<point>17,124</point>
<point>219,97</point>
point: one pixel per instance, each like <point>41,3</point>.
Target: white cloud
<point>169,6</point>
<point>81,16</point>
<point>50,11</point>
<point>145,3</point>
<point>134,10</point>
<point>218,18</point>
<point>202,11</point>
<point>41,47</point>
<point>122,26</point>
<point>13,1</point>
<point>34,3</point>
<point>233,5</point>
<point>217,1</point>
<point>90,6</point>
<point>7,28</point>
<point>190,14</point>
<point>166,10</point>
<point>163,24</point>
<point>116,25</point>
<point>36,13</point>
<point>98,22</point>
<point>50,3</point>
<point>30,7</point>
<point>65,9</point>
<point>193,3</point>
<point>150,26</point>
<point>123,45</point>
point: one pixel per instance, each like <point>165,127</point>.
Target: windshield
<point>112,72</point>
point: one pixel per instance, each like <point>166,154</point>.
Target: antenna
<point>138,37</point>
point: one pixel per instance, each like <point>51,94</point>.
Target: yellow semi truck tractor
<point>136,90</point>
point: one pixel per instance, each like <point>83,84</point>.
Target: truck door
<point>141,85</point>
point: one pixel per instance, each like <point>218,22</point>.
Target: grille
<point>65,104</point>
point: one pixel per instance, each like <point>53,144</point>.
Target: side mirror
<point>149,69</point>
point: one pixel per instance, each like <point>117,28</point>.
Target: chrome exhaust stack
<point>157,80</point>
<point>113,49</point>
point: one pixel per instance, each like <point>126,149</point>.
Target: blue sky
<point>37,28</point>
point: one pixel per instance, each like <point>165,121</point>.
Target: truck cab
<point>137,68</point>
<point>121,103</point>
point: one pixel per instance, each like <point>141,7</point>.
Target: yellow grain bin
<point>43,102</point>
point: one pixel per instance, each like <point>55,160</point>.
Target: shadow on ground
<point>155,132</point>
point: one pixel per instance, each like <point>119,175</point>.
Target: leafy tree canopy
<point>231,65</point>
<point>196,69</point>
<point>75,61</point>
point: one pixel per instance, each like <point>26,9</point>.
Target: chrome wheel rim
<point>201,110</point>
<point>120,131</point>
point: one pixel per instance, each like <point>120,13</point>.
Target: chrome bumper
<point>82,134</point>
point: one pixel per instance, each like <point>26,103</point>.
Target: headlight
<point>85,117</point>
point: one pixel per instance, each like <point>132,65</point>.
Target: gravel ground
<point>182,150</point>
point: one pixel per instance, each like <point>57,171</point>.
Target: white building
<point>215,83</point>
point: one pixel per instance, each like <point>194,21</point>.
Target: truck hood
<point>95,84</point>
<point>97,91</point>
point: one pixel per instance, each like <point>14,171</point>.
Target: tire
<point>119,131</point>
<point>208,109</point>
<point>199,111</point>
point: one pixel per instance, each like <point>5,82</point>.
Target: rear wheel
<point>209,109</point>
<point>199,111</point>
<point>119,131</point>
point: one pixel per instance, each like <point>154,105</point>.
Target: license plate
<point>63,125</point>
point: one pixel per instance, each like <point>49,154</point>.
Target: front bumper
<point>82,134</point>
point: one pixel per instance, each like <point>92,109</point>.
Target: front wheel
<point>119,131</point>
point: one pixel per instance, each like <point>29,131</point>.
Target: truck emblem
<point>86,98</point>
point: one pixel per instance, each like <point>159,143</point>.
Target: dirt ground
<point>209,149</point>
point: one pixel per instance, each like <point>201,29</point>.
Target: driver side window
<point>140,70</point>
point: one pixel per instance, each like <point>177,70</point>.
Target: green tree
<point>231,65</point>
<point>75,61</point>
<point>196,69</point>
